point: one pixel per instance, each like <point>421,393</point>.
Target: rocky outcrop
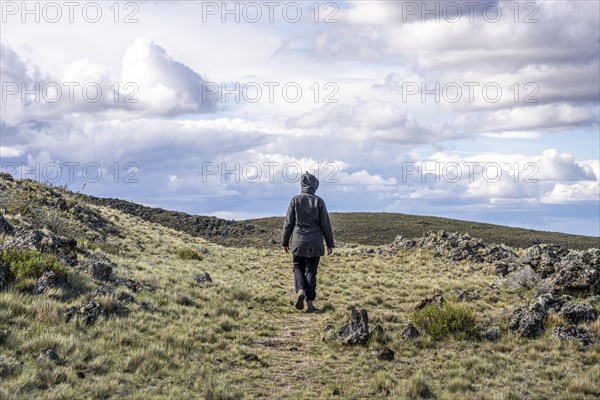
<point>47,281</point>
<point>356,331</point>
<point>576,333</point>
<point>529,320</point>
<point>575,313</point>
<point>88,313</point>
<point>26,238</point>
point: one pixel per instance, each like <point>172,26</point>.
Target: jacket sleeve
<point>288,225</point>
<point>326,226</point>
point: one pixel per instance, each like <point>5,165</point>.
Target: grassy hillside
<point>382,228</point>
<point>163,333</point>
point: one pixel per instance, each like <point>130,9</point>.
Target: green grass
<point>238,337</point>
<point>187,253</point>
<point>23,263</point>
<point>445,320</point>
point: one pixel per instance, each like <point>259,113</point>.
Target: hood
<point>309,183</point>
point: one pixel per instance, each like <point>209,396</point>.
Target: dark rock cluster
<point>356,331</point>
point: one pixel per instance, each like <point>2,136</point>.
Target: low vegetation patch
<point>187,253</point>
<point>24,264</point>
<point>440,321</point>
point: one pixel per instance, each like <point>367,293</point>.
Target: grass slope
<point>238,338</point>
<point>382,228</point>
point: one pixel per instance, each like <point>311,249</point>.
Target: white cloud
<point>366,120</point>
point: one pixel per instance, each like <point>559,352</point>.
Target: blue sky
<point>507,133</point>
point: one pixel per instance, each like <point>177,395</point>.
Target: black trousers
<point>305,275</point>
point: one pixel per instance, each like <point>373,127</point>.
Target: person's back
<point>306,223</point>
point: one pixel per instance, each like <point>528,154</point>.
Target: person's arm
<point>326,228</point>
<point>288,226</point>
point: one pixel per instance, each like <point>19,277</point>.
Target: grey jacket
<point>307,221</point>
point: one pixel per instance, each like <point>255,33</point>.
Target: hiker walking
<point>306,223</point>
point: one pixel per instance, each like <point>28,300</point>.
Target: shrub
<point>30,263</point>
<point>445,320</point>
<point>187,253</point>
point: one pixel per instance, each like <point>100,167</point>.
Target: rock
<point>104,290</point>
<point>89,313</point>
<point>575,313</point>
<point>543,257</point>
<point>63,248</point>
<point>464,251</point>
<point>573,332</point>
<point>356,331</point>
<point>202,277</point>
<point>48,280</point>
<point>101,271</point>
<point>553,301</point>
<point>132,285</point>
<point>436,299</point>
<point>573,274</point>
<point>503,268</point>
<point>491,334</point>
<point>494,254</point>
<point>386,354</point>
<point>529,320</point>
<point>410,332</point>
<point>3,275</point>
<point>126,297</point>
<point>50,355</point>
<point>100,267</point>
<point>5,226</point>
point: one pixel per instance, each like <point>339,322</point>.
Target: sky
<point>477,110</point>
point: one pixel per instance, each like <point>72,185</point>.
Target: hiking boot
<point>299,299</point>
<point>309,307</point>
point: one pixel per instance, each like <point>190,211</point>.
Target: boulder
<point>100,267</point>
<point>386,354</point>
<point>356,331</point>
<point>494,254</point>
<point>529,320</point>
<point>543,257</point>
<point>5,226</point>
<point>410,332</point>
<point>437,299</point>
<point>132,285</point>
<point>576,313</point>
<point>89,313</point>
<point>553,301</point>
<point>573,332</point>
<point>573,274</point>
<point>48,280</point>
<point>202,277</point>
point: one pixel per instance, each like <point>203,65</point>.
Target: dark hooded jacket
<point>307,221</point>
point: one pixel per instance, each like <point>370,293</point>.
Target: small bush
<point>445,320</point>
<point>30,263</point>
<point>187,253</point>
